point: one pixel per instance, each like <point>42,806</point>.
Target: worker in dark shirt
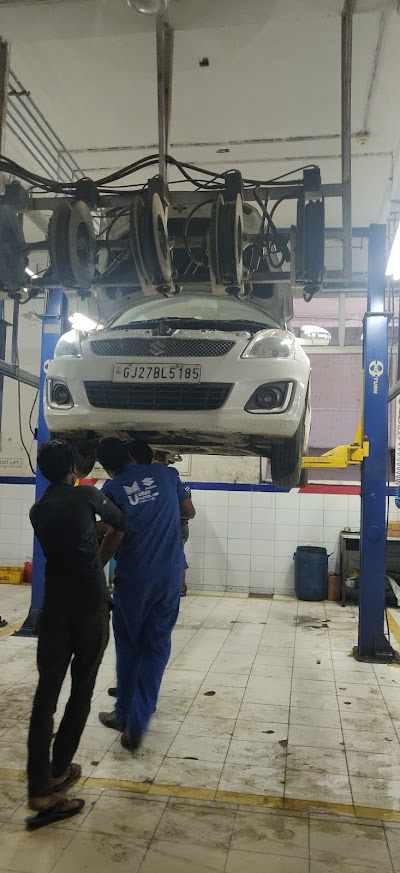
<point>148,582</point>
<point>74,625</point>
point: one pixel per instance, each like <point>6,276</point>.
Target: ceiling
<point>271,92</point>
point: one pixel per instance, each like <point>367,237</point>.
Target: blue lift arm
<point>54,324</point>
<point>372,643</point>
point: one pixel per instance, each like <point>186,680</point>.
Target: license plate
<point>156,373</point>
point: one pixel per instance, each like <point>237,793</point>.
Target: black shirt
<point>64,521</point>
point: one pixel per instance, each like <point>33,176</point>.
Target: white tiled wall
<point>16,538</point>
<point>245,541</point>
<point>239,541</point>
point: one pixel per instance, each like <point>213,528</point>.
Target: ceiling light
<point>30,273</point>
<point>82,322</point>
<point>148,7</point>
<point>393,264</point>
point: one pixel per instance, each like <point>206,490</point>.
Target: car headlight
<point>271,344</point>
<point>69,344</point>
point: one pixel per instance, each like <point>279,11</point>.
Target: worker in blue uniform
<point>148,582</point>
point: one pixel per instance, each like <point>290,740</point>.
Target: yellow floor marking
<point>394,629</point>
<point>181,791</point>
<point>249,799</point>
<point>321,806</point>
<point>10,629</point>
<point>310,806</point>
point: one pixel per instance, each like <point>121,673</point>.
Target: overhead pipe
<point>346,69</point>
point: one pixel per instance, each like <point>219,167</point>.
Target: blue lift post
<point>372,642</point>
<point>53,326</point>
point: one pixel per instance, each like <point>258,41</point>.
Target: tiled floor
<point>271,746</point>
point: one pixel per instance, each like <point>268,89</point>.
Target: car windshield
<point>195,311</point>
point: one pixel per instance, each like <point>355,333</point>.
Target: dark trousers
<point>63,638</point>
<point>144,616</point>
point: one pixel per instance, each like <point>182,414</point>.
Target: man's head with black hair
<point>141,452</point>
<point>56,462</point>
<point>113,454</point>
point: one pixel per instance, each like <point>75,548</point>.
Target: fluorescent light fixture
<point>393,264</point>
<point>30,273</point>
<point>82,322</point>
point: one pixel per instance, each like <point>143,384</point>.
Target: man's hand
<point>110,545</point>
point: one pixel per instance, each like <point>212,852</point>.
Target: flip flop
<point>74,774</point>
<point>54,814</point>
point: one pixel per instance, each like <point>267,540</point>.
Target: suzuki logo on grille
<point>157,348</point>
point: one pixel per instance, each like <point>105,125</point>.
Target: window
<point>321,312</point>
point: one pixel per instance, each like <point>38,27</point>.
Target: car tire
<point>286,460</point>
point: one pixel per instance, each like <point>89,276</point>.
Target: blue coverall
<point>148,583</point>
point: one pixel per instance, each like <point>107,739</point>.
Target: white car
<point>195,373</point>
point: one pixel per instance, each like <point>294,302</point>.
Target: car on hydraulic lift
<point>195,373</point>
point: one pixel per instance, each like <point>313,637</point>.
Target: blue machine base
<point>384,653</point>
<point>30,626</point>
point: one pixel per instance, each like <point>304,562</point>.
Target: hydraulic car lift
<point>369,449</point>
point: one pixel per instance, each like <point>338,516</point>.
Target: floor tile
<point>318,718</point>
<point>264,712</point>
<point>204,825</point>
<point>224,680</point>
<point>104,854</point>
<point>374,723</point>
<point>307,758</point>
<point>309,686</point>
<point>207,726</point>
<point>12,795</point>
<point>27,853</point>
<point>13,756</point>
<point>354,843</point>
<point>377,764</point>
<point>257,863</point>
<point>252,779</point>
<point>183,858</point>
<point>368,741</point>
<point>324,738</point>
<point>265,754</point>
<point>260,732</point>
<point>315,785</point>
<point>125,817</point>
<point>201,748</point>
<point>393,838</point>
<point>174,705</point>
<point>192,774</point>
<point>222,705</point>
<point>314,701</point>
<point>342,866</point>
<point>272,834</point>
<point>376,793</point>
<point>128,768</point>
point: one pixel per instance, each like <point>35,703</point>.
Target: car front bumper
<point>244,375</point>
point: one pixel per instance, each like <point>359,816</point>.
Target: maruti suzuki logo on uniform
<point>375,370</point>
<point>157,348</point>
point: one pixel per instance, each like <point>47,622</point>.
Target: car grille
<point>117,395</point>
<point>161,347</point>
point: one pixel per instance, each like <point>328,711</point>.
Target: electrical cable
<point>7,165</point>
<point>185,232</point>
<point>20,415</point>
<point>32,430</point>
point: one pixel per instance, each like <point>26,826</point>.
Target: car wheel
<point>286,460</point>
